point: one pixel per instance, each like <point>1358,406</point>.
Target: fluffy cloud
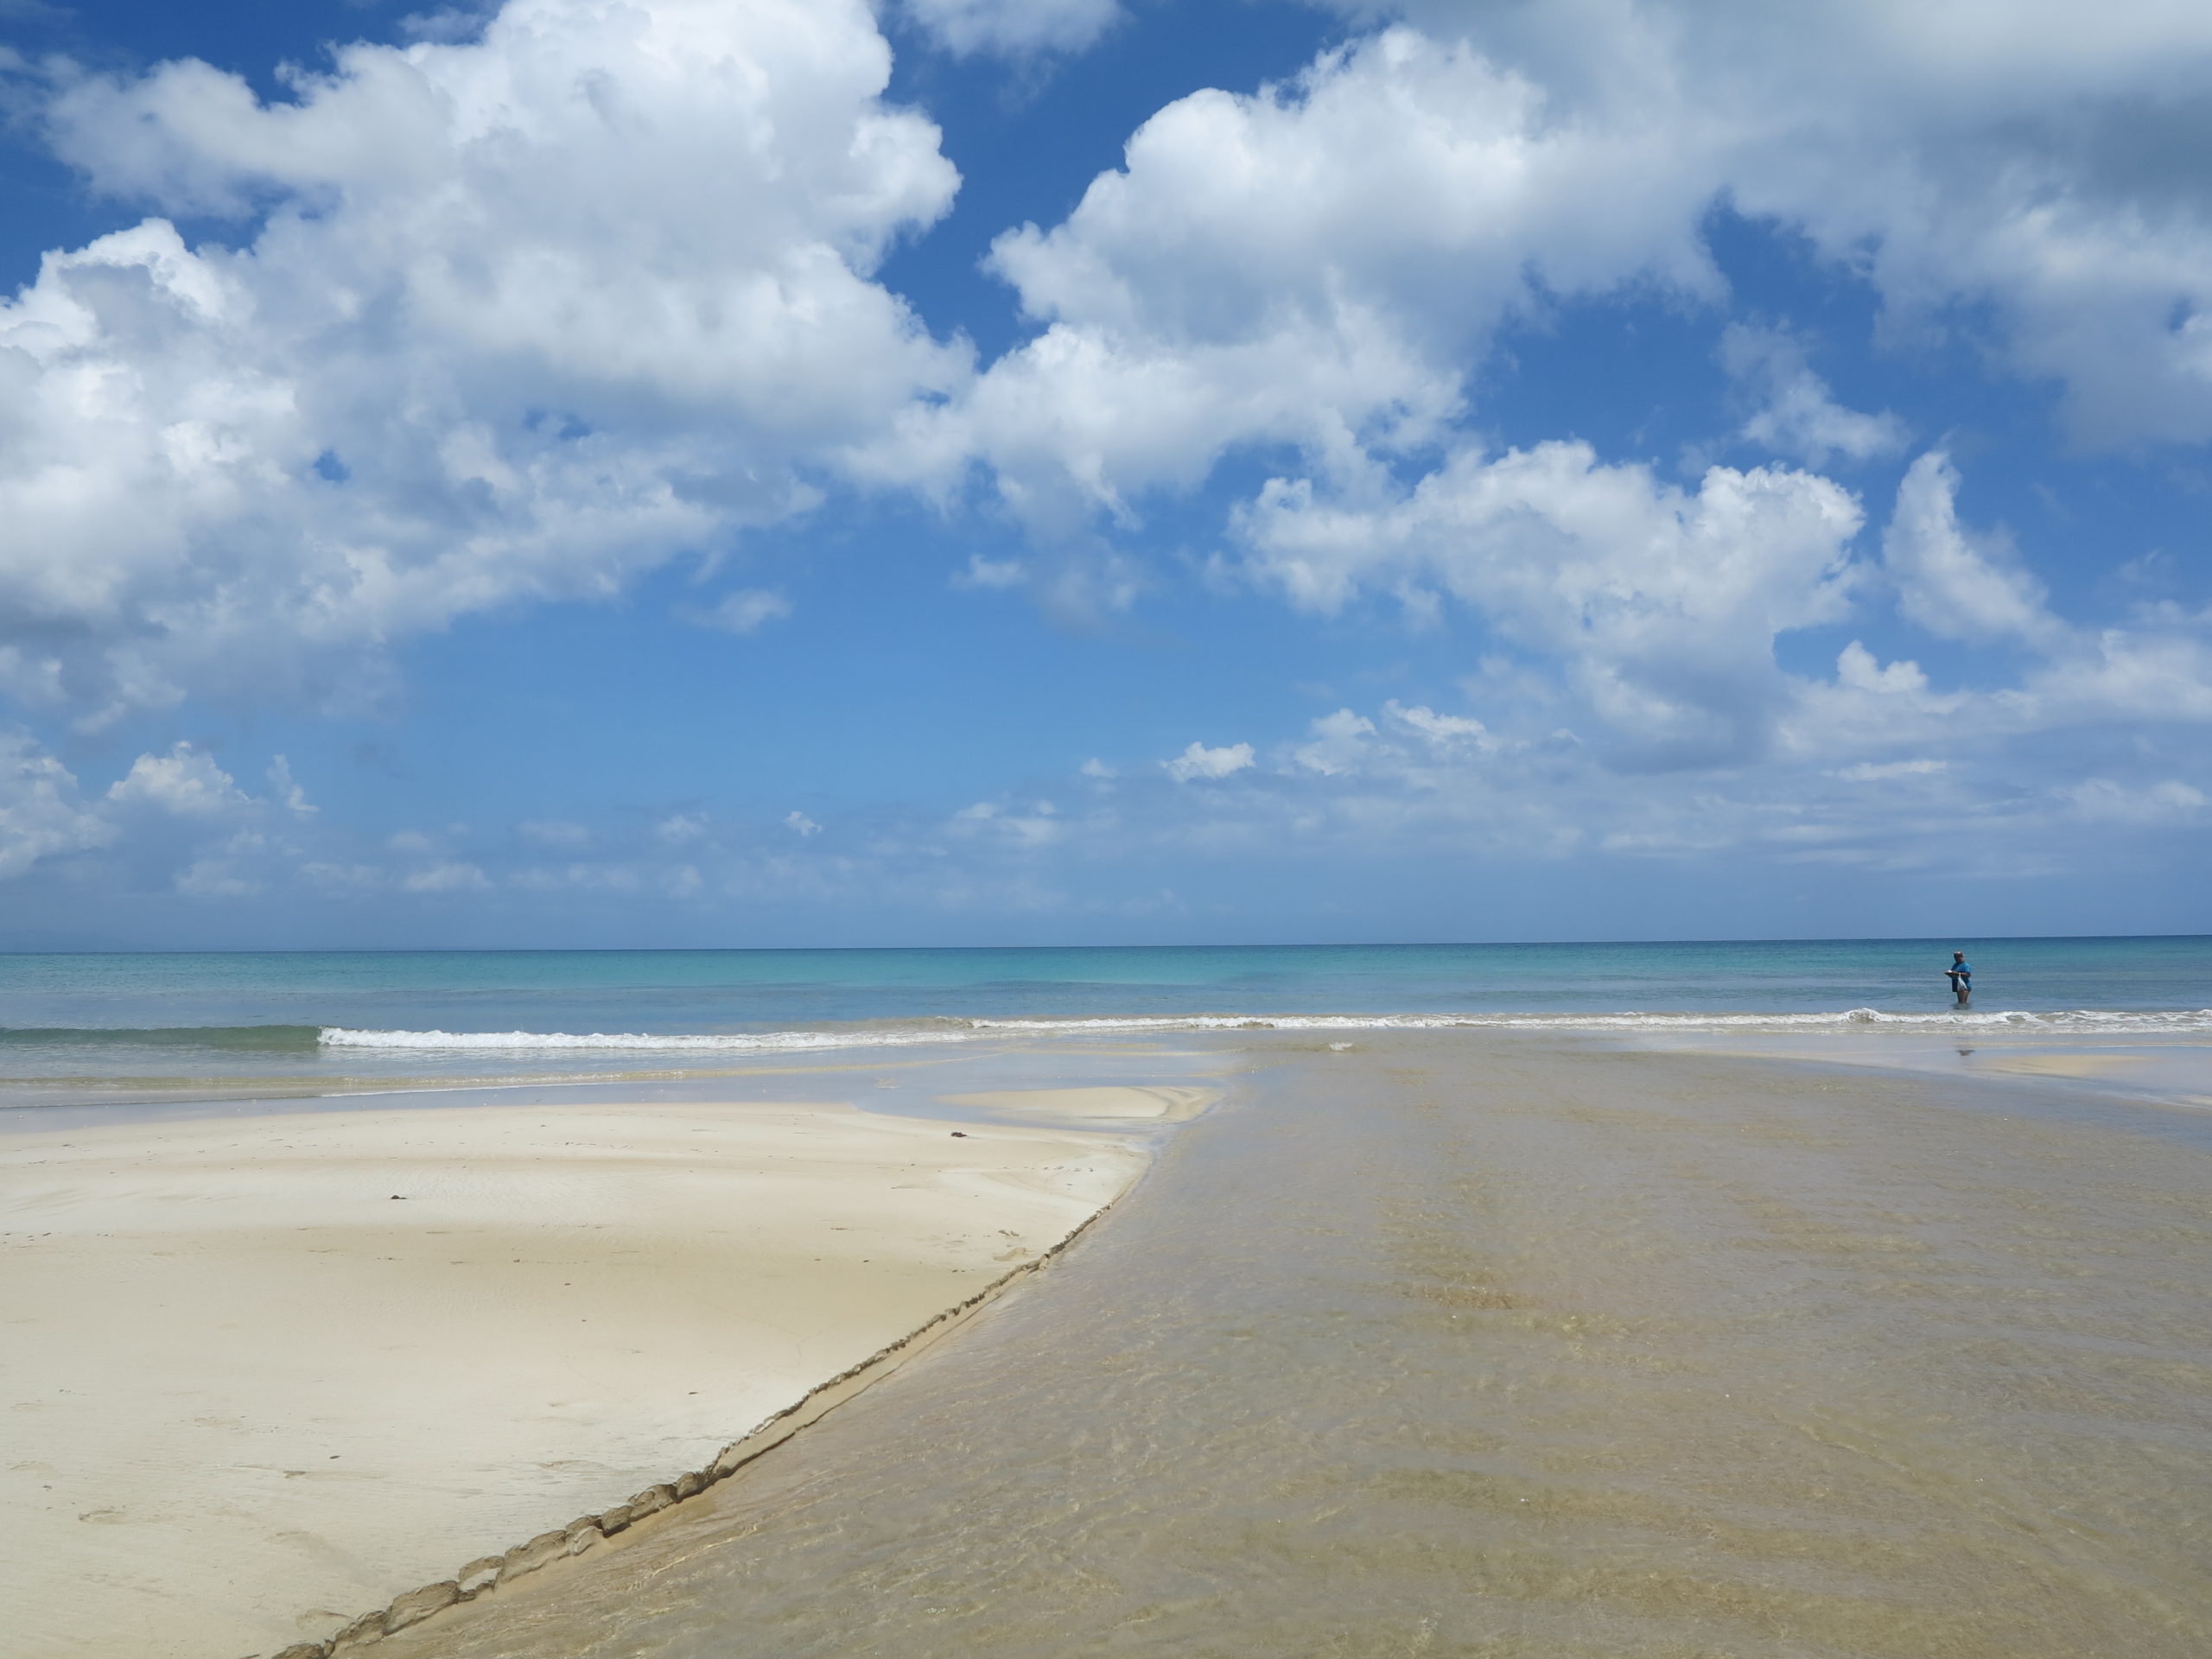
<point>42,811</point>
<point>1663,604</point>
<point>519,316</point>
<point>1409,782</point>
<point>1338,745</point>
<point>2150,676</point>
<point>516,317</point>
<point>2032,158</point>
<point>1646,616</point>
<point>1443,730</point>
<point>1198,762</point>
<point>1321,263</point>
<point>1955,585</point>
<point>1964,584</point>
<point>1320,267</point>
<point>176,808</point>
<point>184,782</point>
<point>1317,263</point>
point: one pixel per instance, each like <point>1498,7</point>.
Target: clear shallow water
<point>248,1022</point>
<point>1476,1344</point>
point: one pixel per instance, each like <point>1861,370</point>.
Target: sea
<point>113,1027</point>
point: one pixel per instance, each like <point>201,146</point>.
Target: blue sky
<point>967,472</point>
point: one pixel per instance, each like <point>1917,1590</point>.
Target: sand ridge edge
<point>487,1574</point>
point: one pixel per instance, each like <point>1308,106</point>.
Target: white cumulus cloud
<point>513,317</point>
<point>2037,159</point>
<point>1443,729</point>
<point>1663,604</point>
<point>41,811</point>
<point>1199,761</point>
<point>186,782</point>
<point>1322,262</point>
<point>1315,264</point>
<point>1956,583</point>
<point>1338,743</point>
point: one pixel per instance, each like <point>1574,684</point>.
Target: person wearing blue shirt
<point>1960,974</point>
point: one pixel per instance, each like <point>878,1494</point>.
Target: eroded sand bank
<point>261,1375</point>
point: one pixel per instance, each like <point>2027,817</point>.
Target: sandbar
<point>264,1374</point>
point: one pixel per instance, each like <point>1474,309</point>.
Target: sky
<point>727,472</point>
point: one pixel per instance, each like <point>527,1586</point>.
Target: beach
<point>533,1306</point>
<point>1443,1343</point>
<point>266,1374</point>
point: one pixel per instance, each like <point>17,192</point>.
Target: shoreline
<point>180,1074</point>
<point>197,1304</point>
<point>550,1551</point>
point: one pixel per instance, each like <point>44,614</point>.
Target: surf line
<point>555,1552</point>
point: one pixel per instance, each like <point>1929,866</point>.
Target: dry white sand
<point>250,1394</point>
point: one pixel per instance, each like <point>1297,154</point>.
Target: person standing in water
<point>1960,974</point>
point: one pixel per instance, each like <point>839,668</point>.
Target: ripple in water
<point>1460,1345</point>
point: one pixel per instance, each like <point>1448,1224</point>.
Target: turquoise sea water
<point>205,1019</point>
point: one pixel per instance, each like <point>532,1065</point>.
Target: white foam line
<point>2069,1021</point>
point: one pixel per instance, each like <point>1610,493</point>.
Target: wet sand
<point>2145,1066</point>
<point>263,1373</point>
<point>1456,1343</point>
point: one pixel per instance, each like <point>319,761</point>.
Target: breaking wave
<point>955,1030</point>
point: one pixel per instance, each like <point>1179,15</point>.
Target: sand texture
<point>1475,1343</point>
<point>1161,1103</point>
<point>263,1374</point>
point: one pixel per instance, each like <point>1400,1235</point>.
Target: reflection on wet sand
<point>1478,1345</point>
